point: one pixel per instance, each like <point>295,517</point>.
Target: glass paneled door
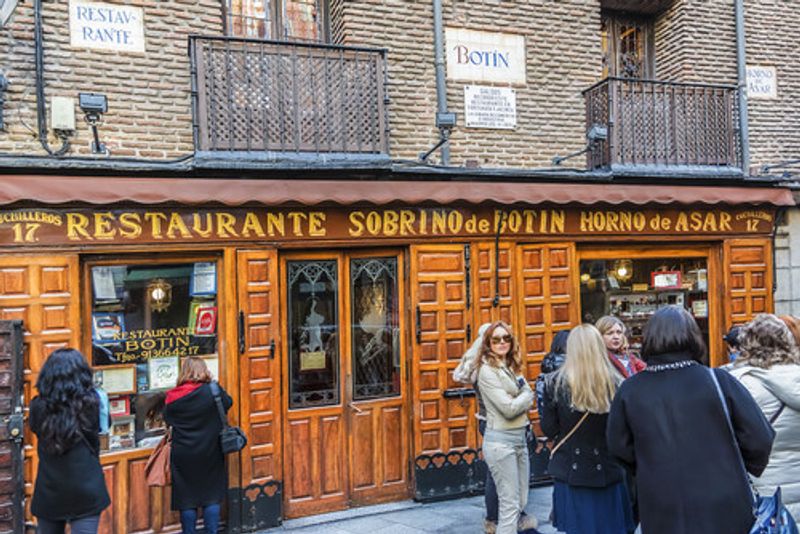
<point>346,434</point>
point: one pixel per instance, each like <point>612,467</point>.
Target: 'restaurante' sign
<point>106,26</point>
<point>84,226</point>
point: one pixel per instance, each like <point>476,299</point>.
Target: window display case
<point>145,319</point>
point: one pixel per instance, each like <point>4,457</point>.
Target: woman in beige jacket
<point>507,397</point>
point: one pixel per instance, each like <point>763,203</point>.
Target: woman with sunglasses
<point>507,397</point>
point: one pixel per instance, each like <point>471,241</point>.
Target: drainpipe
<point>741,64</point>
<point>441,87</point>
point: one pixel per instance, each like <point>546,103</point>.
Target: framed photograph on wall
<point>163,372</point>
<point>116,379</point>
<point>665,279</point>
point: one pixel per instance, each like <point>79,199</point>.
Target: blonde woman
<point>507,397</point>
<point>589,496</point>
<point>613,331</point>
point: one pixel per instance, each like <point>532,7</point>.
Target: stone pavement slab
<point>462,516</point>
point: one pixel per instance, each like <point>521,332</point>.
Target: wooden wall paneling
<point>547,297</point>
<point>378,429</point>
<point>441,316</point>
<point>484,284</point>
<point>747,264</point>
<point>42,291</point>
<point>259,368</point>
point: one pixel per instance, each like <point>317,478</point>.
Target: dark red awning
<point>194,191</point>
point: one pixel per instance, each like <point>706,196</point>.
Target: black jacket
<point>71,485</point>
<point>197,462</point>
<point>583,460</point>
<point>671,428</point>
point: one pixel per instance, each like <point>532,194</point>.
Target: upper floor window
<point>627,44</point>
<point>293,20</point>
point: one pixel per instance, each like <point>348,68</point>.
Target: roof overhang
<point>105,190</point>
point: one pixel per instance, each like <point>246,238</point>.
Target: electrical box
<point>62,113</point>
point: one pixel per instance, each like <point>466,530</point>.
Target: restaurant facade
<point>334,311</point>
<point>325,200</point>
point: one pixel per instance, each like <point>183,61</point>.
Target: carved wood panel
<point>259,366</point>
<point>442,315</point>
<point>43,292</point>
<point>488,286</point>
<point>546,282</point>
<point>747,264</point>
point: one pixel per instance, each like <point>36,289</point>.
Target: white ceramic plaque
<point>106,26</point>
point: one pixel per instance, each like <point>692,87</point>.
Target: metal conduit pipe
<point>741,66</point>
<point>41,105</point>
<point>441,87</point>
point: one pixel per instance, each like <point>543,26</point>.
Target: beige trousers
<point>509,467</point>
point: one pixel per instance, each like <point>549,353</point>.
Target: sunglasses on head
<point>501,339</point>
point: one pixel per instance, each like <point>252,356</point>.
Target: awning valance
<point>233,192</point>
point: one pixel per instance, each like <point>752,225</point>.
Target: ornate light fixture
<point>623,270</point>
<point>159,294</point>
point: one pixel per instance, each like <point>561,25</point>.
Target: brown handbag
<point>157,470</point>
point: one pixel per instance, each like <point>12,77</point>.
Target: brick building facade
<point>693,42</point>
<point>265,166</point>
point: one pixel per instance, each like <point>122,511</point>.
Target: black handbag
<point>231,438</point>
<point>771,516</point>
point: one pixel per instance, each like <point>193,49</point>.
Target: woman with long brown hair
<point>199,479</point>
<point>507,397</point>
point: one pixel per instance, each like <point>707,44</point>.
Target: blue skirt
<point>579,510</point>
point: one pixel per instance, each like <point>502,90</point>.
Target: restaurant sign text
<point>37,226</point>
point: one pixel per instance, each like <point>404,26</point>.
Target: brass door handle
<point>355,408</point>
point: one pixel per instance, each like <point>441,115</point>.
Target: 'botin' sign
<point>476,56</point>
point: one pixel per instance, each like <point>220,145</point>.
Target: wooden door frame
<point>712,252</point>
<point>339,407</point>
<point>400,255</point>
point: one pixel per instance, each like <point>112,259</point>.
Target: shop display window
<point>633,289</point>
<point>145,320</point>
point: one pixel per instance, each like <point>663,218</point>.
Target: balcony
<point>255,99</point>
<point>664,124</point>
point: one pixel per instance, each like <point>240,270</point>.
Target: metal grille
<point>662,123</point>
<point>252,95</point>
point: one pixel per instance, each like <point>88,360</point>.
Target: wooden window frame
<point>614,19</point>
<point>277,21</point>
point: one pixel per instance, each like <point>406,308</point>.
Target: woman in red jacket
<point>613,331</point>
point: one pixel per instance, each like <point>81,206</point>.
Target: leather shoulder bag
<point>231,438</point>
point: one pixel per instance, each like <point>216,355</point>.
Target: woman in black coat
<point>70,487</point>
<point>199,479</point>
<point>668,424</point>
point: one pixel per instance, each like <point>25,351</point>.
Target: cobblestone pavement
<point>462,516</point>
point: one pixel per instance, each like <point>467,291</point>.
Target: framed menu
<point>116,379</point>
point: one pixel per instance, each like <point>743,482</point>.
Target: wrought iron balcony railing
<point>662,123</point>
<point>268,96</point>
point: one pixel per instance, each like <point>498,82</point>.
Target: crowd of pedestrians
<point>660,441</point>
<point>657,440</point>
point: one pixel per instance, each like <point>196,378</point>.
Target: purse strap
<point>218,401</point>
<point>569,434</point>
<point>777,414</point>
<point>721,396</point>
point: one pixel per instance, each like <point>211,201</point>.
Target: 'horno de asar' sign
<point>475,56</point>
<point>106,26</point>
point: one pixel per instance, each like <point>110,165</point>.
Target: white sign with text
<point>762,82</point>
<point>106,26</point>
<point>490,107</point>
<point>475,56</point>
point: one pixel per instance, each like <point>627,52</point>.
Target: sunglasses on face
<point>501,339</point>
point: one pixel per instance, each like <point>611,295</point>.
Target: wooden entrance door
<point>345,428</point>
